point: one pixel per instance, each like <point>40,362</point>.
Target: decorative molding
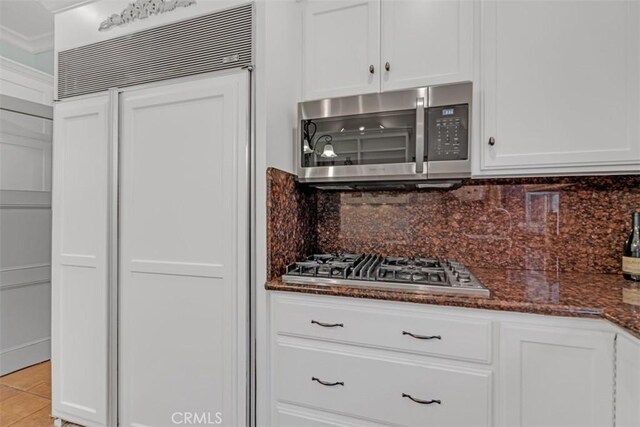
<point>25,354</point>
<point>7,64</point>
<point>21,81</point>
<point>33,45</point>
<point>142,9</point>
<point>26,275</point>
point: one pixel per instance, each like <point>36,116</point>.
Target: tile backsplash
<point>559,224</point>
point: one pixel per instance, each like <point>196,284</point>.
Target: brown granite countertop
<point>607,296</point>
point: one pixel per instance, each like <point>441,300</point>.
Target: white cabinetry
<point>356,47</point>
<point>627,381</point>
<point>426,42</point>
<point>183,258</point>
<point>341,48</point>
<point>80,261</point>
<point>560,87</point>
<point>556,376</point>
<point>336,361</point>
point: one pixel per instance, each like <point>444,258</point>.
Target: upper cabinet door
<point>80,261</point>
<point>341,48</point>
<point>426,42</point>
<point>560,87</point>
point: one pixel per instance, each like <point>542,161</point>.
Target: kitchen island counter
<point>607,296</point>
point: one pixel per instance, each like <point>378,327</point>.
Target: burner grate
<point>386,272</point>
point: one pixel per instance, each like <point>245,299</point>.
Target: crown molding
<point>7,64</point>
<point>33,45</point>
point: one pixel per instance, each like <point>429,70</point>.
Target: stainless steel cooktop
<point>431,275</point>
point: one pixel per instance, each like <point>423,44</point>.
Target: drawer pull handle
<point>327,325</point>
<point>420,401</point>
<point>326,383</point>
<point>422,337</point>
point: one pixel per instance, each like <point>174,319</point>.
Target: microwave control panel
<point>448,133</point>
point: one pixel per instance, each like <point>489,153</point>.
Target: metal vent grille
<point>217,41</point>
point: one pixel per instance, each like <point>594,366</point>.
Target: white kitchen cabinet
<point>426,42</point>
<point>627,381</point>
<point>548,371</point>
<point>80,261</point>
<point>556,376</point>
<point>560,87</point>
<point>356,47</point>
<point>341,48</point>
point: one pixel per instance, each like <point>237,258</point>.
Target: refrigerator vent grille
<point>217,41</point>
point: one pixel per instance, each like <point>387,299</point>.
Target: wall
<point>278,87</point>
<point>560,224</point>
<point>25,226</point>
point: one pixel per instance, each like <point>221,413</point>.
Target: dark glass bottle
<point>631,258</point>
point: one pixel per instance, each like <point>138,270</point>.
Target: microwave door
<point>385,145</point>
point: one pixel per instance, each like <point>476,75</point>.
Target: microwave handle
<point>420,135</point>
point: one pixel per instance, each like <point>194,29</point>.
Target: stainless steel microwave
<point>418,137</point>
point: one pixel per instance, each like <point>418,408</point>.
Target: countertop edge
<point>458,301</point>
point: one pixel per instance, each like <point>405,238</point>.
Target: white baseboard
<point>18,357</point>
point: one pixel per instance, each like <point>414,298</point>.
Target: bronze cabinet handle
<point>422,402</point>
<point>326,383</point>
<point>422,337</point>
<point>328,325</point>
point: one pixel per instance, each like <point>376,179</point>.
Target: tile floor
<point>25,397</point>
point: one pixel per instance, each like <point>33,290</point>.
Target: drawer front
<point>379,389</point>
<point>291,416</point>
<point>450,336</point>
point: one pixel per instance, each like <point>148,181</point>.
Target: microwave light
<point>328,152</point>
<point>306,148</point>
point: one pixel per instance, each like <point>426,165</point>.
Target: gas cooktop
<point>431,275</point>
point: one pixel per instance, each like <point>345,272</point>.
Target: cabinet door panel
<point>553,376</point>
<point>627,381</point>
<point>560,86</point>
<point>341,41</point>
<point>80,316</point>
<point>183,255</point>
<point>426,42</point>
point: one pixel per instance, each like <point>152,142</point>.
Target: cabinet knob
<point>387,66</point>
<point>372,69</point>
<point>492,141</point>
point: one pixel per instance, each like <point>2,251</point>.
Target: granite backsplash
<point>575,224</point>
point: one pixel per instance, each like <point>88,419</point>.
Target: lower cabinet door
<point>627,381</point>
<point>368,385</point>
<point>556,377</point>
